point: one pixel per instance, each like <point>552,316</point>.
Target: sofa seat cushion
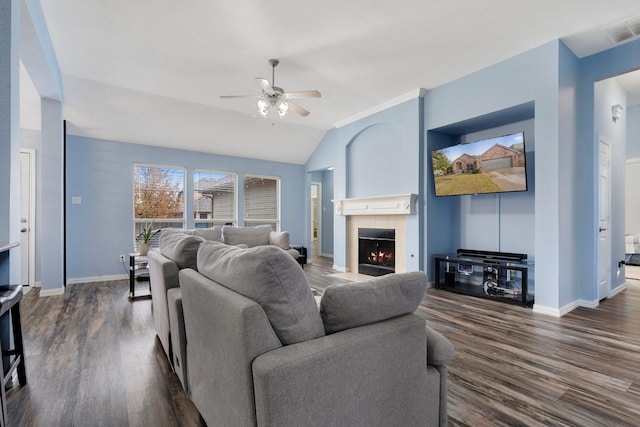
<point>357,304</point>
<point>250,236</point>
<point>270,277</point>
<point>181,248</point>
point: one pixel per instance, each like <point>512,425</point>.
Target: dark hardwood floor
<point>93,360</point>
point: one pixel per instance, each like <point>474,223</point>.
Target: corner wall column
<point>52,197</point>
<point>9,138</point>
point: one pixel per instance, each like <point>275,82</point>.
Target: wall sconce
<point>616,112</point>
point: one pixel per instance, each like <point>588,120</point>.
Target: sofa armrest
<point>369,375</point>
<point>439,350</point>
<point>225,331</point>
<point>163,275</point>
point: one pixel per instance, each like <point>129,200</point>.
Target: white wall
<point>632,205</point>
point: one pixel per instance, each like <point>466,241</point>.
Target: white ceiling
<point>152,71</point>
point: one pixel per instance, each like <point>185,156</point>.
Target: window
<point>261,201</point>
<point>158,198</point>
<point>214,198</point>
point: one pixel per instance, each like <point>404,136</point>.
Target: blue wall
<point>530,79</point>
<point>607,93</point>
<point>594,68</point>
<point>100,172</point>
<point>375,156</point>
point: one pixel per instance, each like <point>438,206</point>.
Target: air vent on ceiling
<point>623,30</point>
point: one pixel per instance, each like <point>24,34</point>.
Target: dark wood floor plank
<point>93,359</point>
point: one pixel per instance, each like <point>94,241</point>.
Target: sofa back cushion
<point>269,276</point>
<point>214,233</point>
<point>280,239</point>
<point>357,304</point>
<point>181,248</point>
<point>250,236</point>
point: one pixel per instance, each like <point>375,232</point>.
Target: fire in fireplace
<point>376,251</point>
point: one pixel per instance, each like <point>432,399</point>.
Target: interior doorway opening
<point>316,219</point>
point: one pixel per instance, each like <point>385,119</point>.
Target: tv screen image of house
<point>494,165</point>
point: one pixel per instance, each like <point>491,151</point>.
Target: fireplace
<point>376,251</point>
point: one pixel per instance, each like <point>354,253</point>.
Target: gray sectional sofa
<point>254,349</point>
<point>177,249</point>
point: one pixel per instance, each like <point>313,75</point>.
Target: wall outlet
<point>121,258</point>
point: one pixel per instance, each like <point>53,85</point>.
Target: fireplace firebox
<point>376,251</point>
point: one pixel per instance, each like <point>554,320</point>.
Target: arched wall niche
<point>374,158</point>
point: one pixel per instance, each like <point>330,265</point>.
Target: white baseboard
<point>617,290</point>
<point>339,268</point>
<point>51,292</point>
<point>588,304</point>
<point>559,312</point>
<point>326,255</point>
<point>92,279</point>
<point>553,311</point>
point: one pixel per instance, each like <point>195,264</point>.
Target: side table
<point>138,270</point>
<point>302,259</point>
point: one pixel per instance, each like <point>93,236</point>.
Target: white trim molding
<point>51,292</point>
<point>92,279</point>
<point>417,93</point>
<point>400,204</point>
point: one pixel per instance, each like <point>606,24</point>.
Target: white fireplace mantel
<point>399,204</point>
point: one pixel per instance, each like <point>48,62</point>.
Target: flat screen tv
<point>494,165</point>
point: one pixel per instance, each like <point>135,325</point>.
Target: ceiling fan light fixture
<point>283,108</point>
<point>263,108</point>
<point>276,97</point>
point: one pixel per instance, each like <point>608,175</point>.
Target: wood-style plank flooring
<point>93,360</point>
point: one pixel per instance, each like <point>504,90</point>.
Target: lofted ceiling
<point>152,72</point>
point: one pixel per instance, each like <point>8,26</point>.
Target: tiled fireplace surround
<point>377,212</point>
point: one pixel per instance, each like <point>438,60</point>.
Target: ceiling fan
<point>276,97</point>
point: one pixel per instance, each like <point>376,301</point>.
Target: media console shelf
<point>501,276</point>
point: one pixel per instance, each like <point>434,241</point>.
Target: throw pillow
<point>213,233</point>
<point>279,239</point>
<point>250,236</point>
<point>270,277</point>
<point>181,248</point>
<point>356,304</point>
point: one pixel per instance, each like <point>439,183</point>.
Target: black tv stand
<point>502,276</point>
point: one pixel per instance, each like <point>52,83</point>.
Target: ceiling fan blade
<point>239,96</point>
<point>297,109</point>
<point>302,94</point>
<point>266,86</point>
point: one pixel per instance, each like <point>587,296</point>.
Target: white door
<point>27,215</point>
<point>604,237</point>
<point>316,218</point>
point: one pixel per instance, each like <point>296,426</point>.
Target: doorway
<point>27,216</point>
<point>604,209</point>
<point>316,219</point>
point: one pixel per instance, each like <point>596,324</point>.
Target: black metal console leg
<point>17,340</point>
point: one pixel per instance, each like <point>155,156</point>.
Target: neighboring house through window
<point>214,198</point>
<point>262,201</point>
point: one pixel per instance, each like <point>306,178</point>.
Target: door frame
<point>32,212</point>
<point>604,141</point>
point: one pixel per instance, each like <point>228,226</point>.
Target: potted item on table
<point>144,238</point>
